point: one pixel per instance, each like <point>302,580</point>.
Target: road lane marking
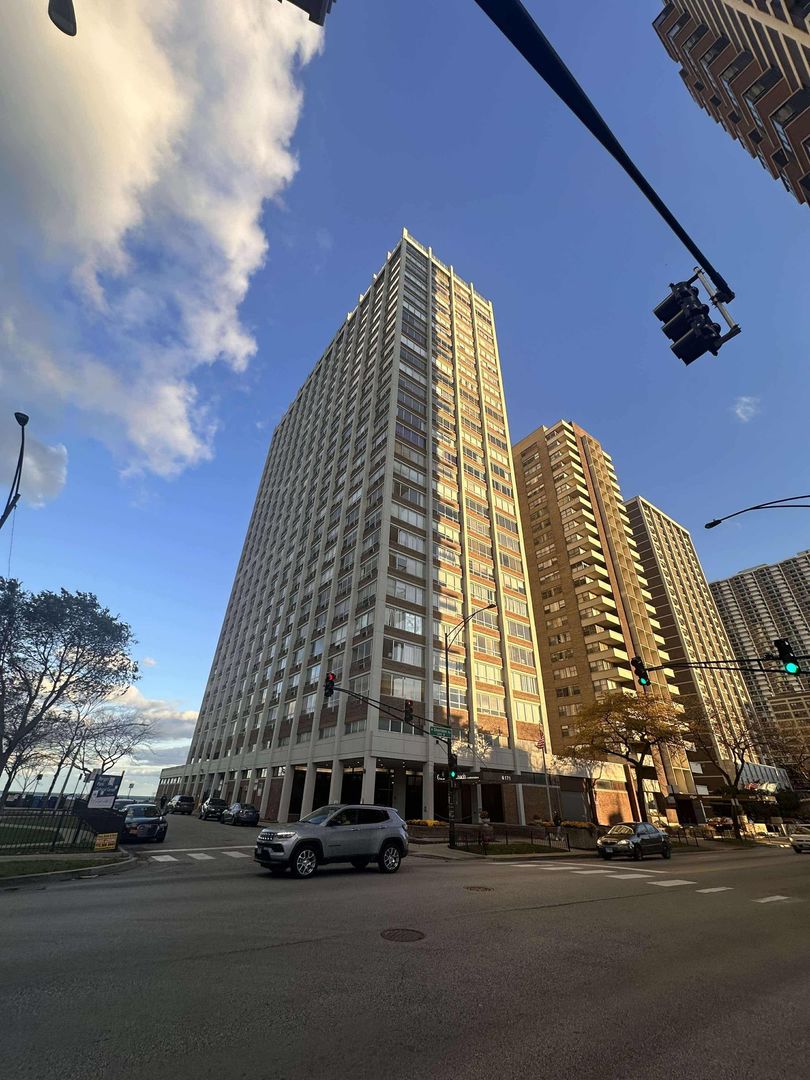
<point>669,884</point>
<point>593,872</point>
<point>163,858</point>
<point>199,855</point>
<point>630,877</point>
<point>718,888</point>
<point>639,870</point>
<point>230,847</point>
<point>770,899</point>
<point>237,854</point>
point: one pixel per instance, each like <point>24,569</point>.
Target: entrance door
<point>413,797</point>
<point>492,801</point>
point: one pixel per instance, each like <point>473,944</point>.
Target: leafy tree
<point>620,726</point>
<point>57,650</point>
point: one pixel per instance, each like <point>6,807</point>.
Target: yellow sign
<point>107,841</point>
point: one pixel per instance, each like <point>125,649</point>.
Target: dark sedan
<point>212,808</point>
<point>143,821</point>
<point>635,839</point>
<point>240,814</point>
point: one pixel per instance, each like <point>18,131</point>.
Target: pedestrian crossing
<point>660,879</point>
<point>181,856</point>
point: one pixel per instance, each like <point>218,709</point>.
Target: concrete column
<point>286,792</point>
<point>266,795</point>
<point>369,778</point>
<point>309,790</point>
<point>336,783</point>
<point>476,803</point>
<point>427,791</point>
<point>521,809</point>
<point>400,787</point>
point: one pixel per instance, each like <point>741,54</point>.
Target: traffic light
<point>408,712</point>
<point>785,653</point>
<point>329,685</point>
<point>640,668</point>
<point>688,324</point>
<point>452,765</point>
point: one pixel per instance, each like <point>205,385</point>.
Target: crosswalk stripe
<point>199,855</point>
<point>592,872</point>
<point>237,854</point>
<point>669,884</point>
<point>163,858</point>
<point>718,888</point>
<point>630,877</point>
<point>770,899</point>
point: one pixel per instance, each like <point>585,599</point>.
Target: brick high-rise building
<point>386,513</point>
<point>757,606</point>
<point>692,628</point>
<point>593,609</point>
<point>747,64</point>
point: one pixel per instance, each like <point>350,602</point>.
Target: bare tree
<point>729,746</point>
<point>113,732</point>
<point>26,759</point>
<point>55,649</point>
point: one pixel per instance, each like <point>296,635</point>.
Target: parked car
<point>635,839</point>
<point>800,838</point>
<point>212,808</point>
<point>122,804</point>
<point>240,814</point>
<point>335,833</point>
<point>143,821</point>
<point>180,804</point>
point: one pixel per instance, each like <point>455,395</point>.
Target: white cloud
<point>171,723</point>
<point>149,661</point>
<point>746,408</point>
<point>133,170</point>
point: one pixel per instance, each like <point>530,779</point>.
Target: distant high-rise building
<point>691,627</point>
<point>593,609</point>
<point>758,606</point>
<point>748,65</point>
<point>385,516</point>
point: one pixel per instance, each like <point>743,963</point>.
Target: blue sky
<point>412,113</point>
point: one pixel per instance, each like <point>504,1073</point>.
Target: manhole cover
<point>402,935</point>
<point>478,888</point>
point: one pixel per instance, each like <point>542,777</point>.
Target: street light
<point>791,503</point>
<point>14,494</point>
<point>62,15</point>
<point>449,638</point>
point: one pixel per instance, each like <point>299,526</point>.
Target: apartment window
<point>405,687</point>
<point>569,672</point>
<point>404,620</point>
<point>403,652</point>
<point>354,726</point>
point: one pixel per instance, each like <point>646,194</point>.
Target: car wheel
<point>160,839</point>
<point>666,852</point>
<point>390,858</point>
<point>304,862</point>
<point>607,856</point>
<point>637,853</point>
<point>360,864</point>
<point>798,850</point>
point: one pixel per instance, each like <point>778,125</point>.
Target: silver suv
<point>335,833</point>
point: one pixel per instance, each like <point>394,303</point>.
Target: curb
<point>82,872</point>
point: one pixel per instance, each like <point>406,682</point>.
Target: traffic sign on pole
<point>440,732</point>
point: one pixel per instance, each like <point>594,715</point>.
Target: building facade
<point>593,609</point>
<point>385,516</point>
<point>692,629</point>
<point>757,606</point>
<point>747,64</point>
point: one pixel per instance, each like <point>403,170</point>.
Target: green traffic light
<point>791,667</point>
<point>644,681</point>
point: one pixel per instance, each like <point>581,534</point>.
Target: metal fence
<point>482,837</point>
<point>37,832</point>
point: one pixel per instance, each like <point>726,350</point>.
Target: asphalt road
<point>210,968</point>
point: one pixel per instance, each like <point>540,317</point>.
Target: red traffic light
<point>329,685</point>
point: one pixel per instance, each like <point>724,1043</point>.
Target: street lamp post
<point>14,493</point>
<point>449,638</point>
<point>791,503</point>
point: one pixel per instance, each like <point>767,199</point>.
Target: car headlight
<point>623,843</point>
<point>284,835</point>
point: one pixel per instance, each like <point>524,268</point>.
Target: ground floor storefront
<point>417,790</point>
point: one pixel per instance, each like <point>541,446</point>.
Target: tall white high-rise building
<point>386,515</point>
